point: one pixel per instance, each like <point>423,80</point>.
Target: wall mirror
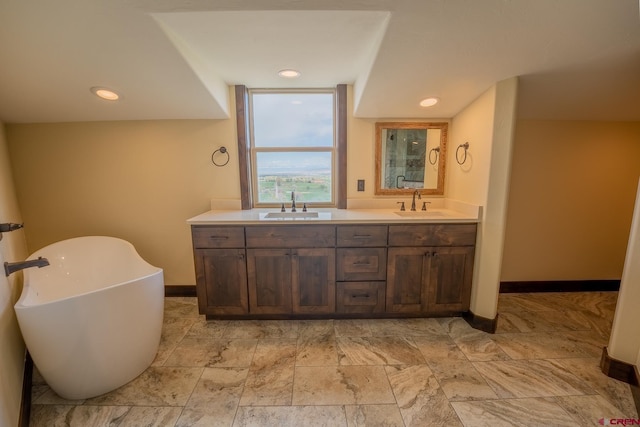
<point>410,156</point>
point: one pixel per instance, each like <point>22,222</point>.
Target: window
<point>292,146</point>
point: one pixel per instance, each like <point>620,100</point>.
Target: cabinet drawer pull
<point>362,263</point>
<point>218,237</point>
<point>362,236</point>
<point>360,296</point>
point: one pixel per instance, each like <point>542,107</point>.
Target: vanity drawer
<point>304,236</point>
<point>361,264</point>
<point>217,237</point>
<point>360,297</point>
<point>432,235</point>
<point>358,236</point>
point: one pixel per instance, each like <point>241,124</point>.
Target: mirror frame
<point>442,156</point>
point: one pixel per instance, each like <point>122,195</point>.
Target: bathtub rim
<point>26,287</point>
<point>20,305</point>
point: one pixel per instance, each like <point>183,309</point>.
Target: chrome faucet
<point>293,201</point>
<point>413,200</point>
<point>12,267</point>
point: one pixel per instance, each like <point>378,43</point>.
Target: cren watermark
<point>619,421</point>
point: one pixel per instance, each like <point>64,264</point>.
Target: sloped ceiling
<point>174,59</point>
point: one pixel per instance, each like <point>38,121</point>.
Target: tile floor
<point>539,369</point>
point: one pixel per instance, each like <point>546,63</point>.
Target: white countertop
<point>336,216</point>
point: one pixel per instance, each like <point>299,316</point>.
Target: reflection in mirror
<point>410,156</point>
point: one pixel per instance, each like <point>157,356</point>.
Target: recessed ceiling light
<point>105,93</point>
<point>289,74</point>
<point>429,102</point>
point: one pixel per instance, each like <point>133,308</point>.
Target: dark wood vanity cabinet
<point>430,268</point>
<point>406,290</point>
<point>333,270</point>
<point>269,280</point>
<point>314,281</point>
<point>291,269</point>
<point>450,277</point>
<point>284,281</point>
<point>221,273</point>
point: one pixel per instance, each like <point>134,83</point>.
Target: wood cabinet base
<point>333,271</point>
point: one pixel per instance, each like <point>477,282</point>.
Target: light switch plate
<point>361,185</point>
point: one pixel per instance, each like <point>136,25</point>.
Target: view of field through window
<point>308,174</point>
<point>293,144</point>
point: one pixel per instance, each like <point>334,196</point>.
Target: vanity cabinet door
<point>407,279</point>
<point>450,277</point>
<point>221,281</point>
<point>284,281</point>
<point>269,277</point>
<point>314,280</point>
<point>435,280</point>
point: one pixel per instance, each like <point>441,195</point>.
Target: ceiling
<point>174,59</point>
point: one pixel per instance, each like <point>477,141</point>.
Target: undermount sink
<point>292,215</point>
<point>419,214</point>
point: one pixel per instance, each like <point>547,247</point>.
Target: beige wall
<point>12,248</point>
<point>136,180</point>
<point>487,125</point>
<point>474,124</point>
<point>572,192</point>
<point>360,152</point>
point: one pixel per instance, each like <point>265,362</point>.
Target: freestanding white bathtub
<point>92,319</point>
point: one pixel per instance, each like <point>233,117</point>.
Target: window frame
<point>253,150</point>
